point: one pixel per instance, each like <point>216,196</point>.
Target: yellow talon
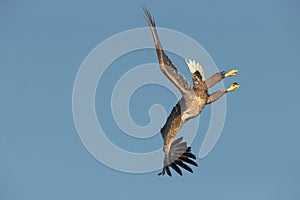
<point>233,86</point>
<point>231,73</point>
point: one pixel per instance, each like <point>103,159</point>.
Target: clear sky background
<point>43,43</point>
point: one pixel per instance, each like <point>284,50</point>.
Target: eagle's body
<point>189,106</point>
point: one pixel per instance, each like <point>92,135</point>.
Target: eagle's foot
<point>233,86</point>
<point>231,73</point>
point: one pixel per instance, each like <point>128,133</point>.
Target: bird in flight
<point>194,98</point>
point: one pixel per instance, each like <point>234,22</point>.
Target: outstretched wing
<point>177,153</point>
<point>165,63</point>
<point>172,125</point>
<point>179,156</point>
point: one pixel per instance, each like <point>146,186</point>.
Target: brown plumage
<point>172,125</point>
<point>193,100</point>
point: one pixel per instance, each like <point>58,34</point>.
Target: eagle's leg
<point>217,77</point>
<point>216,95</point>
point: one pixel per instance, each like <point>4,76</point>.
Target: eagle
<point>177,154</point>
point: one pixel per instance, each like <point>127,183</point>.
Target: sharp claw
<point>233,86</point>
<point>231,73</point>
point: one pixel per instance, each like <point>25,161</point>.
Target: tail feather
<point>177,157</point>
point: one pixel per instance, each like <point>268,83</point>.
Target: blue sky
<point>42,45</point>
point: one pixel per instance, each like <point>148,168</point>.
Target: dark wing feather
<point>183,165</point>
<point>165,63</point>
<point>178,158</point>
<point>190,155</point>
<point>176,168</point>
<point>168,171</point>
<point>187,160</point>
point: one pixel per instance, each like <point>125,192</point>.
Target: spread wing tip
<point>179,158</point>
<point>148,16</point>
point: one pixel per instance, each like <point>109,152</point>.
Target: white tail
<point>194,66</point>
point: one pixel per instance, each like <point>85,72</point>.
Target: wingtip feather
<point>179,156</point>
